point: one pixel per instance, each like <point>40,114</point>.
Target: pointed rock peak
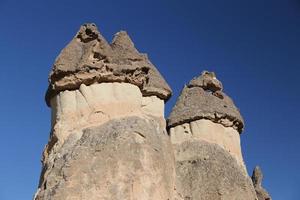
<point>257,177</point>
<point>203,98</point>
<point>122,39</point>
<point>126,53</point>
<point>208,81</point>
<point>90,59</point>
<point>124,48</point>
<point>88,32</point>
<point>75,56</point>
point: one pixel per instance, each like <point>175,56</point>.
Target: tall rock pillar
<point>204,126</point>
<point>108,137</point>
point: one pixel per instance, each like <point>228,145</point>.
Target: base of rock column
<point>128,158</point>
<point>205,171</point>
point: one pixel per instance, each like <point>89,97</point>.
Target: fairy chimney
<point>205,128</point>
<point>108,138</point>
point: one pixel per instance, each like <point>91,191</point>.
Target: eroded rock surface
<point>129,158</point>
<point>204,127</point>
<point>98,103</point>
<point>257,177</point>
<point>206,130</point>
<point>108,136</point>
<point>89,58</point>
<point>203,98</point>
<point>205,171</point>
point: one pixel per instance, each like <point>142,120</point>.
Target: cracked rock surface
<point>108,135</point>
<point>128,158</point>
<point>205,171</point>
<point>205,128</point>
<point>203,98</point>
<point>89,59</point>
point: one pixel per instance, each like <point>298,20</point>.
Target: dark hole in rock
<point>88,31</point>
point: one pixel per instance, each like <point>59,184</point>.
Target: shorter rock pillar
<point>204,126</point>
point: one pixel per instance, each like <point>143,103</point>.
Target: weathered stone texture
<point>89,59</point>
<point>204,126</point>
<point>129,158</point>
<point>205,171</point>
<point>108,136</point>
<point>207,81</point>
<point>206,130</point>
<point>202,98</point>
<point>257,177</point>
<point>98,103</point>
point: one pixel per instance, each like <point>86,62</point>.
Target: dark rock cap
<point>89,59</point>
<point>257,177</point>
<point>203,98</point>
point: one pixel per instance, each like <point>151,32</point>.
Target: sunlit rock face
<point>206,130</point>
<point>123,158</point>
<point>204,127</point>
<point>89,59</point>
<point>108,138</point>
<point>98,103</point>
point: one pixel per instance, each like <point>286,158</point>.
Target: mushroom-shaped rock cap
<point>89,59</point>
<point>203,98</point>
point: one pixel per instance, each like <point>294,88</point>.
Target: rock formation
<point>204,127</point>
<point>109,138</point>
<point>89,59</point>
<point>257,177</point>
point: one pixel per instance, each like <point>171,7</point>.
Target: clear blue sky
<point>253,46</point>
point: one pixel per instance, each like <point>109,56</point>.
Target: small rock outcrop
<point>204,127</point>
<point>257,177</point>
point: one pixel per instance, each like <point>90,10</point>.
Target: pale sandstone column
<point>108,138</point>
<point>204,126</point>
